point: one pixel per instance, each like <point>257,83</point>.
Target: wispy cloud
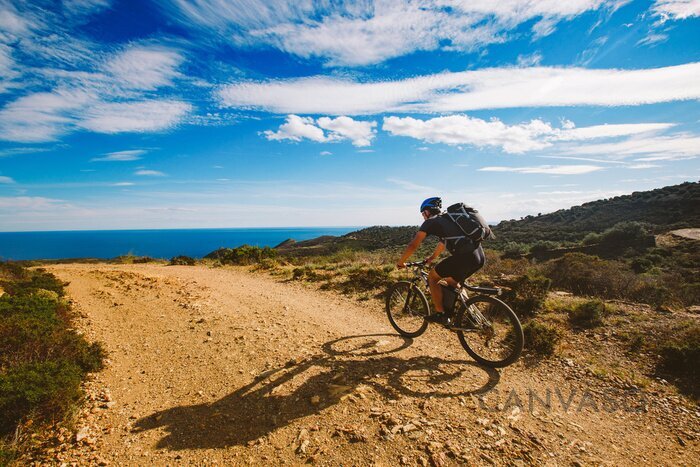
<point>652,148</point>
<point>671,10</point>
<point>519,138</point>
<point>296,128</point>
<point>149,173</point>
<point>144,67</point>
<point>142,116</point>
<point>351,33</point>
<point>6,180</point>
<point>547,169</point>
<point>410,186</point>
<point>489,88</point>
<point>653,39</point>
<point>110,100</point>
<point>121,156</point>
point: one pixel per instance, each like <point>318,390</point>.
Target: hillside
<point>663,209</point>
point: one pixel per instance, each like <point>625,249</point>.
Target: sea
<point>105,244</point>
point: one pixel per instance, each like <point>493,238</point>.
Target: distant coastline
<point>165,243</point>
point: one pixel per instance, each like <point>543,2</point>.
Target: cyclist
<point>461,264</point>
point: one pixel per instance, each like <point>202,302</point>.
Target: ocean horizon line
<point>301,227</point>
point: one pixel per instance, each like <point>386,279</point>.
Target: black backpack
<point>471,223</point>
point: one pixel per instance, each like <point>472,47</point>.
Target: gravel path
<point>226,366</point>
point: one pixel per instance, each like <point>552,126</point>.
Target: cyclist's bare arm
<point>411,248</point>
<point>436,254</point>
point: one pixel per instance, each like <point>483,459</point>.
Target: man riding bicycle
<point>464,261</point>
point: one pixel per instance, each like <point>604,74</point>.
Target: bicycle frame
<point>421,275</point>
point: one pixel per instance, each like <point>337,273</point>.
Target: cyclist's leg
<point>435,290</point>
<point>446,270</point>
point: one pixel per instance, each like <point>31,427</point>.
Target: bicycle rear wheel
<point>489,331</point>
<point>406,308</point>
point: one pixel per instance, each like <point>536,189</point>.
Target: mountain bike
<point>487,328</point>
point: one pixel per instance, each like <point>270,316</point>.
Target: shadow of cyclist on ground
<point>279,396</point>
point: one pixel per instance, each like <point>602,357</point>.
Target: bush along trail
<point>43,361</point>
<point>235,366</point>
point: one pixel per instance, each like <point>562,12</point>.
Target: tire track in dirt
<point>227,366</point>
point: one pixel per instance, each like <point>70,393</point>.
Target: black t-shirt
<point>445,228</point>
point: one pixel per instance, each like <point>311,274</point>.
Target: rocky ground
<point>227,366</point>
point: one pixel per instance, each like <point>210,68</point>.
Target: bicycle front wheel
<point>489,331</point>
<point>406,308</point>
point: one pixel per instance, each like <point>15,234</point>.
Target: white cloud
<point>410,186</point>
<point>326,153</point>
<point>85,7</point>
<point>359,132</point>
<point>653,148</point>
<point>6,180</point>
<point>109,101</point>
<point>520,138</point>
<point>361,33</point>
<point>642,166</point>
<point>121,156</point>
<point>143,116</point>
<point>653,39</point>
<point>533,59</point>
<point>547,169</point>
<point>123,184</point>
<point>296,128</point>
<point>488,88</point>
<point>462,129</point>
<point>28,202</point>
<point>41,117</point>
<point>676,9</point>
<point>144,67</point>
<point>149,173</point>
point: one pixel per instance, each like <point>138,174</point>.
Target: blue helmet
<point>431,203</point>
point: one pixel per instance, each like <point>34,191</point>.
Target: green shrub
<point>367,279</point>
<point>588,314</point>
<point>653,293</point>
<point>623,235</point>
<point>307,273</point>
<point>589,275</point>
<point>543,246</point>
<point>512,250</point>
<point>526,294</point>
<point>541,338</point>
<point>31,281</point>
<point>182,261</point>
<point>45,389</point>
<point>242,255</point>
<point>680,354</point>
<point>143,259</point>
<point>591,238</point>
<point>41,305</point>
<point>42,359</point>
<point>640,265</point>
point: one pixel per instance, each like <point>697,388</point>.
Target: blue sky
<point>212,113</point>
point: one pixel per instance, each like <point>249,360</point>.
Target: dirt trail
<point>231,367</point>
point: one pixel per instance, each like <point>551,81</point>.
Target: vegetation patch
<point>541,338</point>
<point>680,354</point>
<point>588,314</point>
<point>367,279</point>
<point>42,358</point>
<point>182,261</point>
<point>526,294</point>
<point>242,255</point>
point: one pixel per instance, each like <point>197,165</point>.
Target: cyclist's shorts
<point>459,267</point>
